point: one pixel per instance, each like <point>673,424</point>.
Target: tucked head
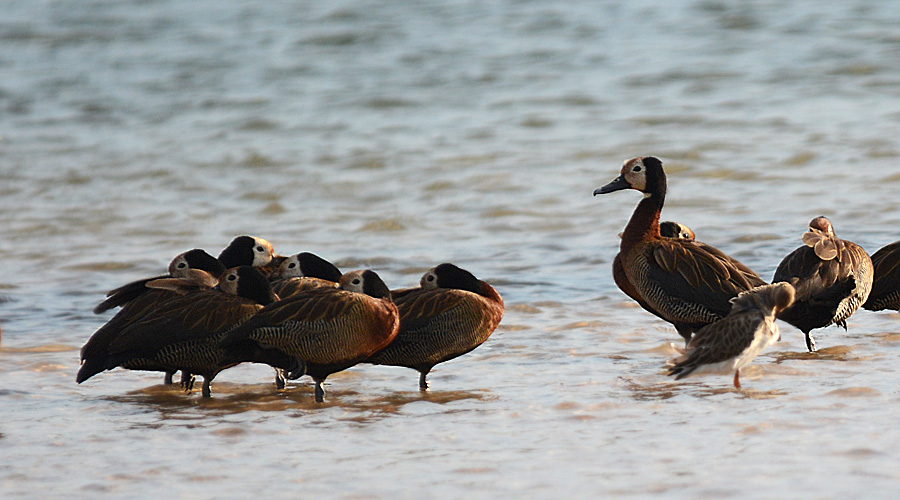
<point>247,251</point>
<point>309,265</point>
<point>669,229</point>
<point>644,173</point>
<point>247,282</point>
<point>450,276</point>
<point>367,282</point>
<point>195,259</point>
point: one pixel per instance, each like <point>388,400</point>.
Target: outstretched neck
<point>644,222</point>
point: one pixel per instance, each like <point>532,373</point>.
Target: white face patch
<point>290,268</point>
<point>179,267</point>
<point>229,282</point>
<point>353,282</point>
<point>429,281</point>
<point>262,252</point>
<point>635,173</point>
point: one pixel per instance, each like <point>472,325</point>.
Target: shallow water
<point>395,137</point>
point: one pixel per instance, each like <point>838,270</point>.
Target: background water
<point>398,135</point>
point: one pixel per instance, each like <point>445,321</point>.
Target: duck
<point>298,273</point>
<point>733,342</point>
<point>685,282</point>
<point>885,292</point>
<point>328,329</point>
<point>833,278</point>
<point>182,332</point>
<point>449,314</point>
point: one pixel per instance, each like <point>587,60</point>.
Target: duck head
<point>643,173</point>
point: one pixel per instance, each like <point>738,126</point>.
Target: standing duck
<point>181,332</point>
<point>886,283</point>
<point>328,329</point>
<point>732,343</point>
<point>451,313</point>
<point>684,282</point>
<point>833,277</point>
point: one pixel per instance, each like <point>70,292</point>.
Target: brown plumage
<point>833,277</point>
<point>451,313</point>
<point>687,283</point>
<point>733,342</point>
<point>667,229</point>
<point>180,331</point>
<point>885,292</point>
<point>329,329</point>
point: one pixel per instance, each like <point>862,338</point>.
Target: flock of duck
<point>298,314</point>
<point>302,316</point>
<point>723,309</point>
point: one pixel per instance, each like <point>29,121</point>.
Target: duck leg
<point>810,342</point>
<point>423,381</point>
<point>279,378</point>
<point>685,333</point>
<point>168,378</point>
<point>737,379</point>
<point>320,391</point>
<point>207,390</point>
<point>187,381</point>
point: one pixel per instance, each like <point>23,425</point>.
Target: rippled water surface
<point>398,135</point>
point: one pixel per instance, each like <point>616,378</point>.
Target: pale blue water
<point>398,135</point>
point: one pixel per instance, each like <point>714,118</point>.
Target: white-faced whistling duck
<point>451,313</point>
<point>733,342</point>
<point>299,273</point>
<point>181,332</point>
<point>833,277</point>
<point>684,282</point>
<point>328,329</point>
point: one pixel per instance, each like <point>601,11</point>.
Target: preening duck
<point>684,282</point>
<point>328,329</point>
<point>732,343</point>
<point>451,313</point>
<point>833,277</point>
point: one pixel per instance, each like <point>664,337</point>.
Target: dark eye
<point>292,265</point>
<point>232,277</point>
<point>260,249</point>
<point>356,281</point>
<point>430,277</point>
<point>637,168</point>
<point>181,265</point>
